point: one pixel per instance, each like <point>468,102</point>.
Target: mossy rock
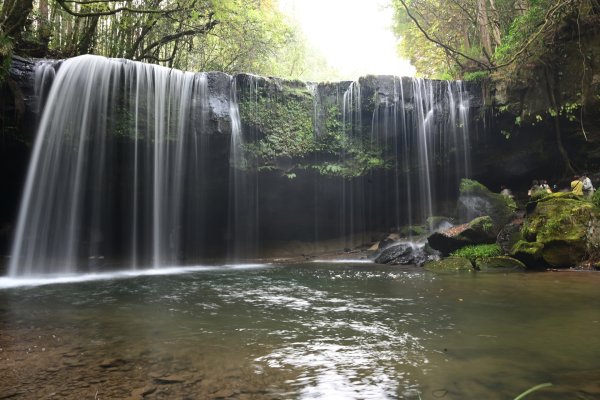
<point>480,230</point>
<point>450,264</point>
<point>564,225</point>
<point>499,264</point>
<point>476,200</point>
<point>530,253</point>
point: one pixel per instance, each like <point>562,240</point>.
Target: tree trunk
<point>569,170</point>
<point>495,23</point>
<point>13,18</point>
<point>483,23</point>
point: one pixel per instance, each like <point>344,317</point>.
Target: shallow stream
<point>303,331</point>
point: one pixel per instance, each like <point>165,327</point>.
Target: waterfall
<point>243,221</point>
<point>136,165</point>
<point>424,125</point>
<point>108,168</point>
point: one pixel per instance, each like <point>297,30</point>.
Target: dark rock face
<point>508,237</point>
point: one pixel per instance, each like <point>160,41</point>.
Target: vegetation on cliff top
<point>469,38</point>
<point>206,35</point>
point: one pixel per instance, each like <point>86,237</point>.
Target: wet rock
<point>479,231</point>
<point>224,394</point>
<point>401,253</point>
<point>169,379</point>
<point>113,363</point>
<point>450,264</point>
<point>499,264</point>
<point>141,392</point>
<point>509,236</point>
<point>530,253</point>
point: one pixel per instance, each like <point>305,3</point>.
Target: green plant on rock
<point>473,252</point>
<point>596,198</point>
<point>6,48</point>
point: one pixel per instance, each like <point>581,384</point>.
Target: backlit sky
<point>353,35</point>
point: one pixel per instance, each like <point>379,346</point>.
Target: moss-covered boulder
<point>450,264</point>
<point>530,253</point>
<point>476,200</point>
<point>499,264</point>
<point>562,228</point>
<point>481,230</point>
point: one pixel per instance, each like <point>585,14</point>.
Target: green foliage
<point>208,35</point>
<point>6,48</point>
<point>278,118</point>
<point>473,252</point>
<point>455,38</point>
<point>596,198</point>
<point>476,76</point>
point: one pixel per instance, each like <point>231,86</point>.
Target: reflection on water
<point>315,331</point>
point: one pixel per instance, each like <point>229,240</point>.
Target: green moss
<point>450,264</point>
<point>500,208</point>
<point>563,218</point>
<point>483,224</point>
<point>279,122</point>
<point>473,252</point>
<point>470,186</point>
<point>596,198</point>
<point>528,252</point>
<point>499,263</point>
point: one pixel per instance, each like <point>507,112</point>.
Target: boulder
<point>476,200</point>
<point>405,253</point>
<point>499,264</point>
<point>530,253</point>
<point>450,264</point>
<point>509,236</point>
<point>481,230</point>
<point>564,228</point>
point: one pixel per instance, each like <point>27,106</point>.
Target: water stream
<point>314,331</point>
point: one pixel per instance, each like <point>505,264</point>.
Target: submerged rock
<point>499,264</point>
<point>450,264</point>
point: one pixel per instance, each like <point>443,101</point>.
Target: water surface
<point>313,331</point>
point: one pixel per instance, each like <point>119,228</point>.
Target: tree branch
<point>63,4</point>
<point>448,48</point>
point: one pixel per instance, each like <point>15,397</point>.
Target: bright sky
<point>354,36</point>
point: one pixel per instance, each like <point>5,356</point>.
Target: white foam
<point>344,261</point>
<point>10,282</point>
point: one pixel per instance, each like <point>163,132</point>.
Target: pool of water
<point>303,331</point>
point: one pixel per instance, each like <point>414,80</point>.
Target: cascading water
<point>127,167</point>
<point>243,219</point>
<point>424,127</point>
<point>109,167</point>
